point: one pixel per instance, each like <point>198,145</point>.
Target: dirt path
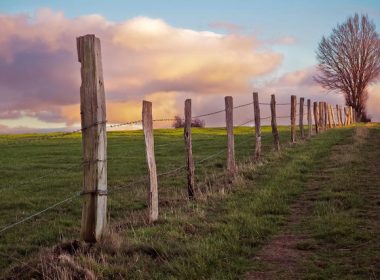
<point>289,254</point>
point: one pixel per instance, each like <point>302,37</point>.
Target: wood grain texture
<point>189,150</point>
<point>147,122</point>
<point>94,139</point>
<point>231,165</point>
<point>276,137</point>
<point>302,104</point>
<point>293,111</point>
<point>309,119</point>
<point>256,109</point>
<point>321,116</point>
<point>316,117</point>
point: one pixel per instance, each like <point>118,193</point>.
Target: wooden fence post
<point>341,115</point>
<point>337,115</point>
<point>189,150</point>
<point>94,139</point>
<point>329,115</point>
<point>302,101</point>
<point>293,105</point>
<point>321,121</point>
<point>147,122</point>
<point>332,116</point>
<point>325,112</point>
<point>316,117</point>
<point>256,109</point>
<point>274,123</point>
<point>351,115</point>
<point>231,165</point>
<point>345,116</point>
<point>309,121</point>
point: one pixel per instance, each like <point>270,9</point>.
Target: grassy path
<point>333,229</point>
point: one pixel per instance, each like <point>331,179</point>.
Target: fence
<point>94,140</point>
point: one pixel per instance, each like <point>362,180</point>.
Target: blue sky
<point>305,20</point>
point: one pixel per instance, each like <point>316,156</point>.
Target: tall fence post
<point>345,116</point>
<point>293,105</point>
<point>337,115</point>
<point>321,115</point>
<point>329,115</point>
<point>189,150</point>
<point>309,121</point>
<point>256,109</point>
<point>231,165</point>
<point>316,117</point>
<point>341,116</point>
<point>302,101</point>
<point>332,116</point>
<point>94,139</point>
<point>351,115</point>
<point>147,122</point>
<point>276,137</point>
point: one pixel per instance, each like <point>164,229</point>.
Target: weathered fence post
<point>256,109</point>
<point>231,165</point>
<point>309,121</point>
<point>302,101</point>
<point>147,122</point>
<point>94,139</point>
<point>341,115</point>
<point>337,115</point>
<point>321,121</point>
<point>351,115</point>
<point>345,116</point>
<point>325,111</point>
<point>189,150</point>
<point>293,105</point>
<point>332,116</point>
<point>329,115</point>
<point>316,117</point>
<point>276,137</point>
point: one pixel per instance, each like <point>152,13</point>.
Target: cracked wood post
<point>302,101</point>
<point>276,137</point>
<point>329,121</point>
<point>189,150</point>
<point>325,111</point>
<point>351,115</point>
<point>293,105</point>
<point>321,121</point>
<point>316,117</point>
<point>94,139</point>
<point>332,116</point>
<point>151,161</point>
<point>231,165</point>
<point>338,116</point>
<point>345,116</point>
<point>309,121</point>
<point>256,109</point>
<point>341,116</point>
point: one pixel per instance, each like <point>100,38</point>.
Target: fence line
<point>95,186</point>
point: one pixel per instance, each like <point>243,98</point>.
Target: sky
<point>165,52</point>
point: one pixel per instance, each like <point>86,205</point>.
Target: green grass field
<point>213,238</point>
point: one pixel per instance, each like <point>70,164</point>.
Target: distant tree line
<point>179,122</point>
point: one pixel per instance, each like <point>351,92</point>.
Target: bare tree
<point>349,60</point>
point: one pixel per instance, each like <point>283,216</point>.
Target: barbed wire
<point>9,226</point>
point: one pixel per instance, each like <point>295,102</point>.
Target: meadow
<point>211,238</point>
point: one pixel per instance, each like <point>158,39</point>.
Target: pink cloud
<point>39,72</point>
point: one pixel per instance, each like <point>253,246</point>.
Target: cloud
<point>142,58</point>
